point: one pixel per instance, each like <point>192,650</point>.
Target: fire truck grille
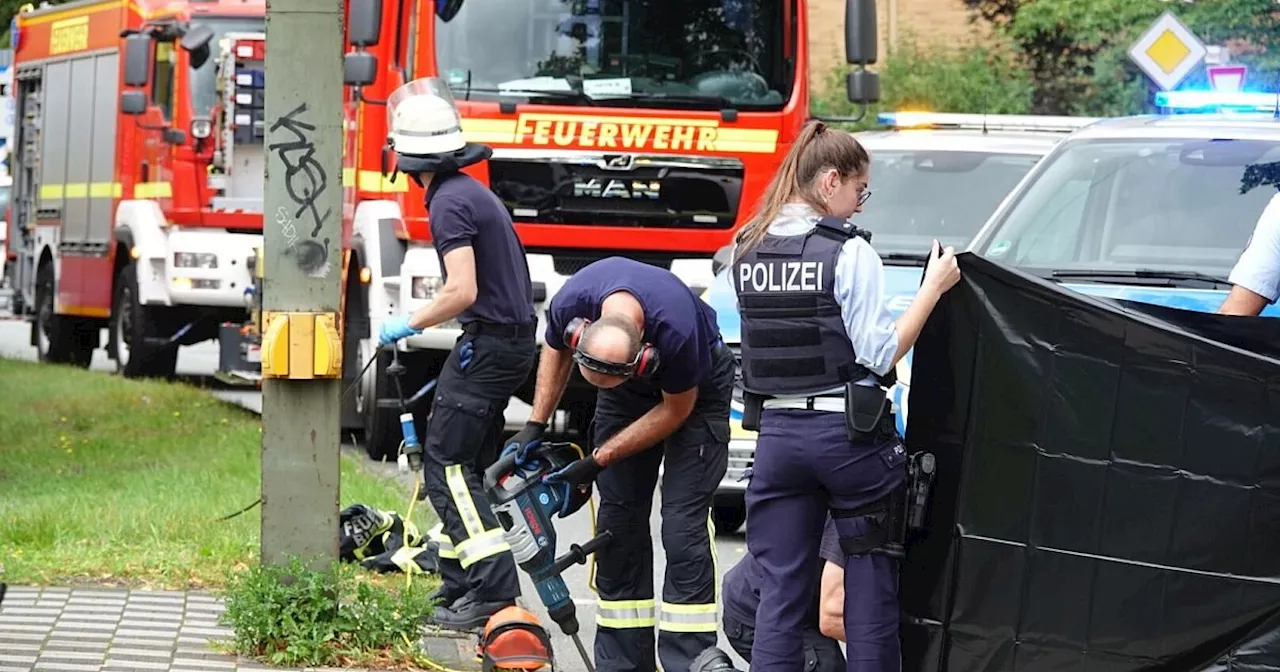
<point>619,190</point>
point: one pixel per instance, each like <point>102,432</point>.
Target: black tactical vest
<point>794,341</point>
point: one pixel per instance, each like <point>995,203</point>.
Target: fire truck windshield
<point>693,54</point>
<point>204,84</point>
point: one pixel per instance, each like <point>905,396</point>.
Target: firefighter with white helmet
<point>470,229</point>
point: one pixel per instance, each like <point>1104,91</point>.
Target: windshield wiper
<point>577,96</point>
<point>723,102</point>
<point>903,258</point>
<point>1144,273</point>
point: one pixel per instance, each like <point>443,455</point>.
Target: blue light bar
<point>1202,100</point>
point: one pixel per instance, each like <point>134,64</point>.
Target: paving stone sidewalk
<point>120,630</point>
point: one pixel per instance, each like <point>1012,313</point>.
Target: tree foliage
<point>8,8</point>
<point>1075,50</point>
<point>917,76</point>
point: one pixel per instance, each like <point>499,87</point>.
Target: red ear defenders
<point>644,365</point>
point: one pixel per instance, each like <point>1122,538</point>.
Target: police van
<point>933,175</point>
<point>1154,208</point>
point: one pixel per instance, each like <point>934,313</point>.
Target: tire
<point>59,339</point>
<point>130,325</point>
<point>382,433</point>
<point>729,518</point>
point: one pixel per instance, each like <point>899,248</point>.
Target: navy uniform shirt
<point>464,213</point>
<point>741,585</point>
<point>679,324</point>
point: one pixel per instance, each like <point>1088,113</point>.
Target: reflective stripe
<point>480,543</point>
<point>404,559</point>
<point>437,535</point>
<point>689,617</point>
<point>481,546</point>
<point>620,614</point>
<point>462,499</point>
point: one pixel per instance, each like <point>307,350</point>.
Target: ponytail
<point>816,148</point>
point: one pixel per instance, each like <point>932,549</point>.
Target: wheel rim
<point>124,328</point>
<point>363,386</point>
<point>46,318</point>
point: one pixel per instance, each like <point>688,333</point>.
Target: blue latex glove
<point>394,329</point>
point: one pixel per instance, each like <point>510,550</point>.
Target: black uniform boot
<point>712,660</point>
<point>467,613</point>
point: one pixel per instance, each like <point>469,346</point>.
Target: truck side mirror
<point>863,86</point>
<point>133,103</point>
<point>447,9</point>
<point>359,68</point>
<point>860,31</point>
<point>723,257</point>
<point>196,43</point>
<point>198,36</point>
<point>364,23</point>
<point>137,59</point>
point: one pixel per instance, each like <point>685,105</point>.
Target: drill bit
<point>583,651</point>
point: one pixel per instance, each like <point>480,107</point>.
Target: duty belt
<point>478,328</point>
<point>824,403</point>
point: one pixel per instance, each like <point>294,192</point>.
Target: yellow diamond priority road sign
<point>1168,51</point>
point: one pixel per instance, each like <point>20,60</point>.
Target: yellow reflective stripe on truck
<point>372,180</point>
<point>53,192</point>
<point>536,129</point>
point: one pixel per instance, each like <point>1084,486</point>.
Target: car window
<point>918,196</point>
<point>1180,205</point>
<point>4,200</point>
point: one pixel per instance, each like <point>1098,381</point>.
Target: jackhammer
<point>524,506</point>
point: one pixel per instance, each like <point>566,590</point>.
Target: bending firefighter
<point>818,349</point>
<point>470,229</point>
<point>665,382</point>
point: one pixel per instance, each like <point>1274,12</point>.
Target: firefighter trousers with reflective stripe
<point>462,437</point>
<point>695,458</point>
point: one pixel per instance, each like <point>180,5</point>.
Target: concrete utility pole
<point>302,235</point>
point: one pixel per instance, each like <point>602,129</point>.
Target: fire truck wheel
<point>382,433</point>
<point>130,325</point>
<point>58,338</point>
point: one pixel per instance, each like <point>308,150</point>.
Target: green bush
<point>1076,50</point>
<point>295,616</point>
<point>927,77</point>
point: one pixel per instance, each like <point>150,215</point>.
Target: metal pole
<point>302,235</point>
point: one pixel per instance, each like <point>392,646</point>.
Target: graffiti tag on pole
<point>305,181</point>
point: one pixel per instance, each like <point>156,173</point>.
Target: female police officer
<point>817,343</point>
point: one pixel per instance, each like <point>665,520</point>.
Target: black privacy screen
<point>1108,488</point>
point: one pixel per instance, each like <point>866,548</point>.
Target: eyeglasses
<point>862,198</point>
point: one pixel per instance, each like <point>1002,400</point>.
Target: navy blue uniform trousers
<point>696,458</point>
<point>461,439</point>
<point>805,463</point>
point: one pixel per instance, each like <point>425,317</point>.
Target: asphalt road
<point>199,362</point>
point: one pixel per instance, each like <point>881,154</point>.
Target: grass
<point>109,481</point>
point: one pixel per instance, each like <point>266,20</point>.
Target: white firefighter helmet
<point>422,119</point>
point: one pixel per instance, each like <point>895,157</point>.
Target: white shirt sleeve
<point>860,291</point>
<point>1258,269</point>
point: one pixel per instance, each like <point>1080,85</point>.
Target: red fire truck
<point>619,128</point>
<point>616,129</point>
<point>131,213</point>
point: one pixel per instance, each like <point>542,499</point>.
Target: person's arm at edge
<point>1243,302</point>
<point>1255,278</point>
<point>554,367</point>
<point>458,293</point>
<point>831,601</point>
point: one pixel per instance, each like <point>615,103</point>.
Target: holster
<point>868,414</point>
<point>752,404</point>
<point>921,470</point>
